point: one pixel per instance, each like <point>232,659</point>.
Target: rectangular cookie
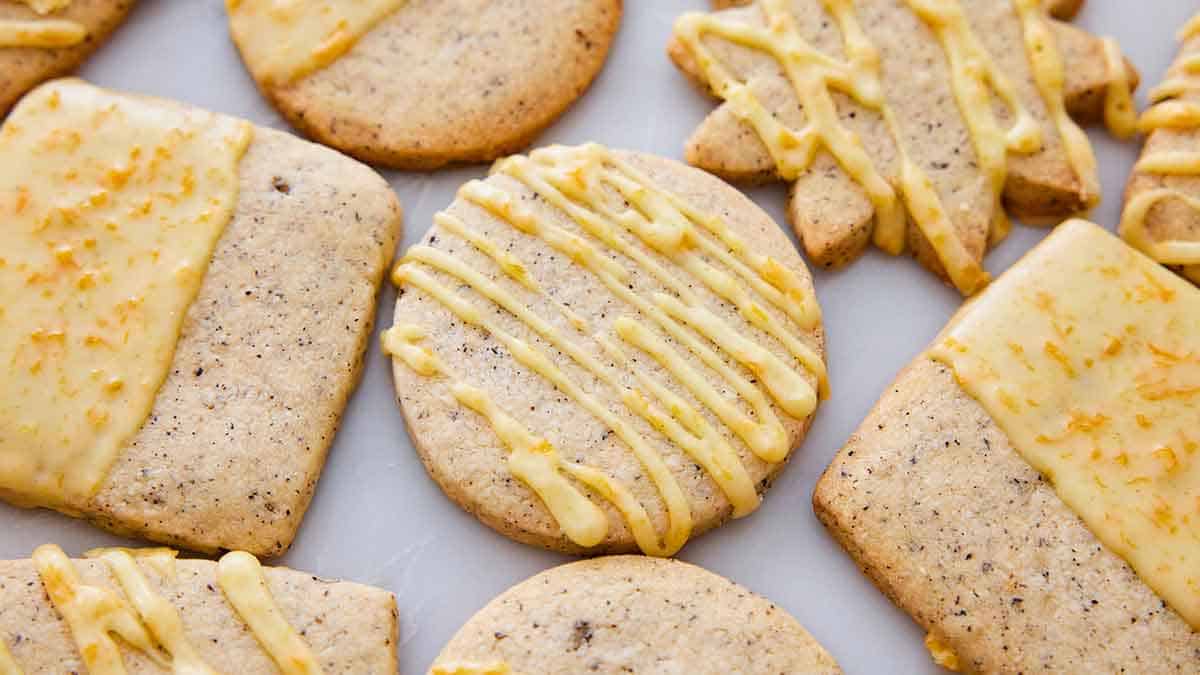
<point>349,627</point>
<point>267,356</point>
<point>935,505</point>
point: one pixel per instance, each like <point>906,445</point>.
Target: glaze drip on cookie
<point>241,580</point>
<point>1175,113</point>
<point>42,32</point>
<point>112,209</point>
<point>102,621</point>
<point>980,89</point>
<point>1089,359</point>
<point>285,40</point>
<point>611,201</point>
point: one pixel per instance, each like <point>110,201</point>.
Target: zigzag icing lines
<point>586,184</point>
<point>1176,109</point>
<point>977,85</point>
<point>101,621</point>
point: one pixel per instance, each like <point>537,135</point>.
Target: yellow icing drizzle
<point>8,665</point>
<point>94,614</point>
<point>158,615</point>
<point>1049,75</point>
<point>285,40</point>
<point>44,7</point>
<point>731,476</point>
<point>679,516</point>
<point>1168,112</point>
<point>241,580</point>
<point>457,668</point>
<point>1087,355</point>
<point>572,180</point>
<point>941,654</point>
<point>43,33</point>
<point>974,77</point>
<point>1119,113</point>
<point>814,76</point>
<point>112,207</point>
<point>533,460</point>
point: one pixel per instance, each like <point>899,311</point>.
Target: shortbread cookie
<point>938,113</point>
<point>43,39</point>
<point>631,614</point>
<point>143,611</point>
<point>418,84</point>
<point>1162,199</point>
<point>599,350</point>
<point>938,500</point>
<point>186,303</point>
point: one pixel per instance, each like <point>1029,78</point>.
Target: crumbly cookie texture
<point>634,614</point>
<point>266,359</point>
<point>829,209</point>
<point>23,68</point>
<point>462,81</point>
<point>1173,190</point>
<point>351,628</point>
<point>460,447</point>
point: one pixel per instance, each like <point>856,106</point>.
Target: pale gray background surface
<point>378,518</point>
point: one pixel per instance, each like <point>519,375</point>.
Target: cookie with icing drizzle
<point>631,614</point>
<point>1162,199</point>
<point>44,39</point>
<point>143,611</point>
<point>605,351</point>
<point>914,125</point>
<point>421,83</point>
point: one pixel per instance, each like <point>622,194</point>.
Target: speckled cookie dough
<point>267,356</point>
<point>436,82</point>
<point>935,504</point>
<point>630,614</point>
<point>831,206</point>
<point>589,297</point>
<point>23,68</point>
<point>351,628</point>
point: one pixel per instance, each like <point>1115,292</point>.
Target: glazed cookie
<point>1026,489</point>
<point>419,84</point>
<point>186,300</point>
<point>600,351</point>
<point>43,39</point>
<point>1162,199</point>
<point>936,113</point>
<point>142,611</point>
<point>631,614</point>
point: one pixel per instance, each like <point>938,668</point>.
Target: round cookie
<point>604,351</point>
<point>439,81</point>
<point>632,614</point>
<point>24,67</point>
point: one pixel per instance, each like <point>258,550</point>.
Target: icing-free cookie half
<point>418,84</point>
<point>1162,199</point>
<point>186,300</point>
<point>631,614</point>
<point>1026,489</point>
<point>599,350</point>
<point>43,39</point>
<point>914,125</point>
<point>143,611</point>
